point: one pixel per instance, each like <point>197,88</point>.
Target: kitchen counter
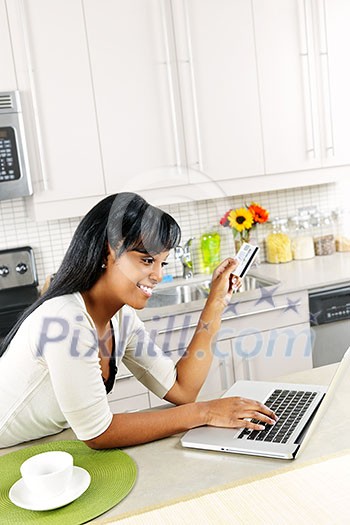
<point>166,471</point>
<point>318,272</point>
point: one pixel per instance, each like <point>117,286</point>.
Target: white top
<point>50,375</point>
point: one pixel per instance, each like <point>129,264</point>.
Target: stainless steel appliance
<point>330,324</point>
<point>18,285</point>
<point>14,168</point>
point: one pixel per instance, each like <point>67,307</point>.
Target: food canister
<point>278,242</point>
<point>301,237</point>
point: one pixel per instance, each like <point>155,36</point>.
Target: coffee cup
<point>47,474</point>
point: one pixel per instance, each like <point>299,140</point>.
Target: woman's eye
<point>164,264</point>
<point>148,260</point>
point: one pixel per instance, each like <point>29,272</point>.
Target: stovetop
<point>17,268</point>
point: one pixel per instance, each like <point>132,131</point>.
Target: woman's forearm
<point>142,427</point>
<point>193,367</point>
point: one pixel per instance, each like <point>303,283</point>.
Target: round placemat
<point>113,474</point>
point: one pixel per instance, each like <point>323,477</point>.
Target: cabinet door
<point>264,355</point>
<point>131,52</point>
<point>287,85</point>
<point>333,43</point>
<point>219,91</point>
<point>8,77</point>
<point>220,376</point>
<point>61,81</point>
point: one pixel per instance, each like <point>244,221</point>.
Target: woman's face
<point>133,276</point>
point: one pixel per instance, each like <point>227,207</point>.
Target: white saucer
<point>22,497</point>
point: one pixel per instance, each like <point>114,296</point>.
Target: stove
<point>18,285</point>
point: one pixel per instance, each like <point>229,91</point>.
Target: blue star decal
<point>232,307</point>
<point>266,295</point>
<point>313,318</point>
<point>292,305</point>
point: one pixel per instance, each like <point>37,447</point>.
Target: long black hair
<point>124,222</point>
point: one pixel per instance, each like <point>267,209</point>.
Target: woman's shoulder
<point>62,305</point>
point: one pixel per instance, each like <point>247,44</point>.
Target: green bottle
<point>210,250</point>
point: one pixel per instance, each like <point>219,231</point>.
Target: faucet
<point>185,256</point>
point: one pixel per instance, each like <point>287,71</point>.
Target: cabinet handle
<point>38,144</point>
<point>124,376</point>
<point>324,70</point>
<point>228,318</point>
<point>174,119</point>
<point>223,375</point>
<point>263,311</point>
<point>305,68</point>
<point>193,87</point>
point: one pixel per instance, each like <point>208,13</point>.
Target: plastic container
<point>301,237</point>
<point>210,244</point>
<point>342,235</point>
<point>278,242</point>
<point>324,233</point>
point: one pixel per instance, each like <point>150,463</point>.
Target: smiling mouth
<point>147,290</point>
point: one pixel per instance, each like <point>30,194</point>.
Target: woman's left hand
<point>224,283</point>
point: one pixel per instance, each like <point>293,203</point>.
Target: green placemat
<point>113,474</point>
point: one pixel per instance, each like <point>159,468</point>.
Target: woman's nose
<point>157,274</point>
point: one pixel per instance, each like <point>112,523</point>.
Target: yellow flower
<point>240,219</point>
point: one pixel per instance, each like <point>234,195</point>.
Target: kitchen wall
<point>50,239</point>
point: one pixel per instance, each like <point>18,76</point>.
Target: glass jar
<point>210,250</point>
<point>342,236</point>
<point>301,238</point>
<point>324,234</point>
<point>278,243</point>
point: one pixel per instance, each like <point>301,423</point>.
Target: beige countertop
<point>166,471</point>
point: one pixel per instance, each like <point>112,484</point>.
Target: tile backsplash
<point>51,238</point>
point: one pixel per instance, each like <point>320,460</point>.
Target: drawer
<point>130,404</point>
<point>126,385</point>
<point>259,315</point>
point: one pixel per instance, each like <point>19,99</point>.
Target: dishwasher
<point>330,324</point>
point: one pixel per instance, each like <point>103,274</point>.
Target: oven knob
<point>4,271</point>
<point>21,268</point>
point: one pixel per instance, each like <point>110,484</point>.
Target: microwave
<point>14,168</point>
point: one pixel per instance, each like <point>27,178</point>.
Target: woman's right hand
<point>235,412</point>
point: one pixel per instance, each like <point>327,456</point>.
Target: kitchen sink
<point>196,290</point>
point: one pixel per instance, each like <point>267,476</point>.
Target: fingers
<point>225,268</point>
<point>238,412</point>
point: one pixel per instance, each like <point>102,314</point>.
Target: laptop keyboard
<point>289,406</point>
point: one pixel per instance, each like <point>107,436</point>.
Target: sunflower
<point>240,219</point>
<point>260,215</point>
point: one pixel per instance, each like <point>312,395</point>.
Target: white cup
<point>47,474</point>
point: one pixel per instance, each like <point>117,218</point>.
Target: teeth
<point>146,289</point>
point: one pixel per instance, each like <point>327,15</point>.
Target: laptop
<point>299,408</point>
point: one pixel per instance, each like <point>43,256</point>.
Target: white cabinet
<point>333,44</point>
<point>219,89</point>
<point>57,64</point>
<point>302,48</point>
<point>8,75</point>
<point>131,53</point>
<point>270,336</point>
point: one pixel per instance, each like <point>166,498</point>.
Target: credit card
<point>245,256</point>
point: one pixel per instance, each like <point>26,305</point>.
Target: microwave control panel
<point>9,165</point>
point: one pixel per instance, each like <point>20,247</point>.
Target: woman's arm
<point>143,427</point>
<point>192,369</point>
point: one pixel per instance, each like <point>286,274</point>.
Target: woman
<point>59,360</point>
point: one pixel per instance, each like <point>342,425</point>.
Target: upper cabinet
<point>132,59</point>
<point>178,99</point>
<point>8,76</point>
<point>219,89</point>
<point>304,82</point>
<point>49,41</point>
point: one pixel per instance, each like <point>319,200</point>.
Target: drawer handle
<point>124,376</point>
<point>263,311</point>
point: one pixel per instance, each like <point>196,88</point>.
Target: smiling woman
<point>60,359</point>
